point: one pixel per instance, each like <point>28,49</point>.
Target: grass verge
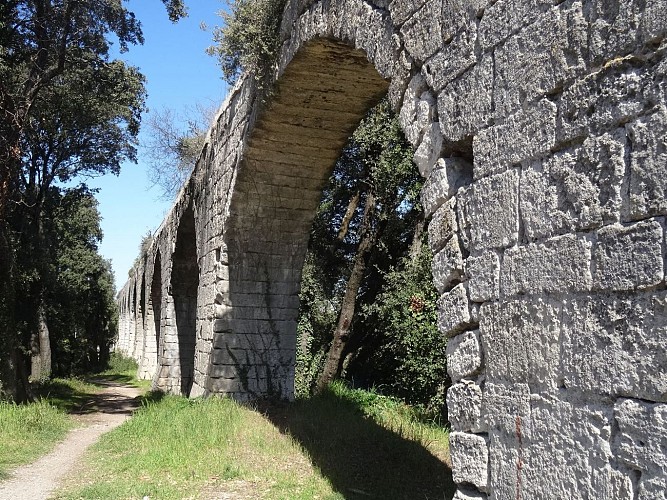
<point>28,431</point>
<point>124,370</point>
<point>340,445</point>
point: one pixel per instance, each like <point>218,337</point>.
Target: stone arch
<point>290,156</point>
<point>184,283</point>
<point>156,309</point>
<point>140,327</point>
<point>132,326</point>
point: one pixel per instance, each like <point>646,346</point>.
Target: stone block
<point>443,225</point>
<point>648,164</point>
<point>453,59</point>
<point>642,436</point>
<point>465,105</point>
<point>468,494</point>
<point>616,345</point>
<point>443,182</point>
<point>504,17</point>
<point>483,274</point>
<point>606,99</point>
<point>401,10</point>
<point>558,265</point>
<point>429,149</point>
<point>454,311</point>
<point>560,451</point>
<point>537,60</point>
<point>502,404</point>
<point>470,459</point>
<point>628,258</point>
<point>464,355</point>
<point>575,190</point>
<point>527,134</point>
<point>416,114</point>
<point>614,26</point>
<point>422,33</point>
<point>447,265</point>
<point>653,23</point>
<point>488,212</point>
<point>520,341</point>
<point>464,406</point>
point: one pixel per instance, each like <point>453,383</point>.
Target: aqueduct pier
<point>541,127</point>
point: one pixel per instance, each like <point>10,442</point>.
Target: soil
<point>105,411</point>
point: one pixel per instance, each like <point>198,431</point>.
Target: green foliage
<point>28,431</point>
<point>119,364</point>
<point>66,110</point>
<point>395,344</point>
<point>249,39</point>
<point>331,446</point>
<point>317,319</point>
<point>392,413</point>
<point>80,292</point>
<point>408,356</point>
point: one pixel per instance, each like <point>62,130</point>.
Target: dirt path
<point>105,411</point>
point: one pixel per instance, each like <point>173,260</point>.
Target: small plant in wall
<point>249,40</point>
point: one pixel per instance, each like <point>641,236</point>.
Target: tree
<point>371,220</point>
<point>80,298</point>
<point>54,58</point>
<point>173,150</point>
<point>404,352</point>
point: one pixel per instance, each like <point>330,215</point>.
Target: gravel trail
<point>105,411</point>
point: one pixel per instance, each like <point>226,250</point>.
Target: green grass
<point>28,431</point>
<point>342,444</point>
<point>124,370</point>
<point>174,447</point>
<point>67,394</point>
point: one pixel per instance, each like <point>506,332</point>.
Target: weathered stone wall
<point>541,127</point>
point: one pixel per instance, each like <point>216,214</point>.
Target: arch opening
<point>184,286</point>
<point>140,328</point>
<point>319,100</point>
<point>155,305</point>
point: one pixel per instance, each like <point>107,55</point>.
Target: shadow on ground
<point>360,458</point>
<point>108,401</point>
<point>61,395</point>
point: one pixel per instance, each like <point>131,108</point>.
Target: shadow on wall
<point>361,459</point>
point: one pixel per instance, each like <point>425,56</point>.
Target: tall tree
<point>80,299</point>
<point>51,53</point>
<point>74,129</point>
<point>375,186</point>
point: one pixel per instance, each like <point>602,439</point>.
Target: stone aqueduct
<point>541,126</point>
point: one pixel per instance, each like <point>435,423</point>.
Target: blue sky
<point>179,74</point>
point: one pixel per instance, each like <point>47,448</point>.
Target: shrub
<point>249,39</point>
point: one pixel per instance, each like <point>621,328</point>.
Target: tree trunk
<point>349,213</point>
<point>332,365</point>
<point>41,347</point>
<point>416,245</point>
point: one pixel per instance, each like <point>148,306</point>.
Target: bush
<point>250,38</point>
<point>411,352</point>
